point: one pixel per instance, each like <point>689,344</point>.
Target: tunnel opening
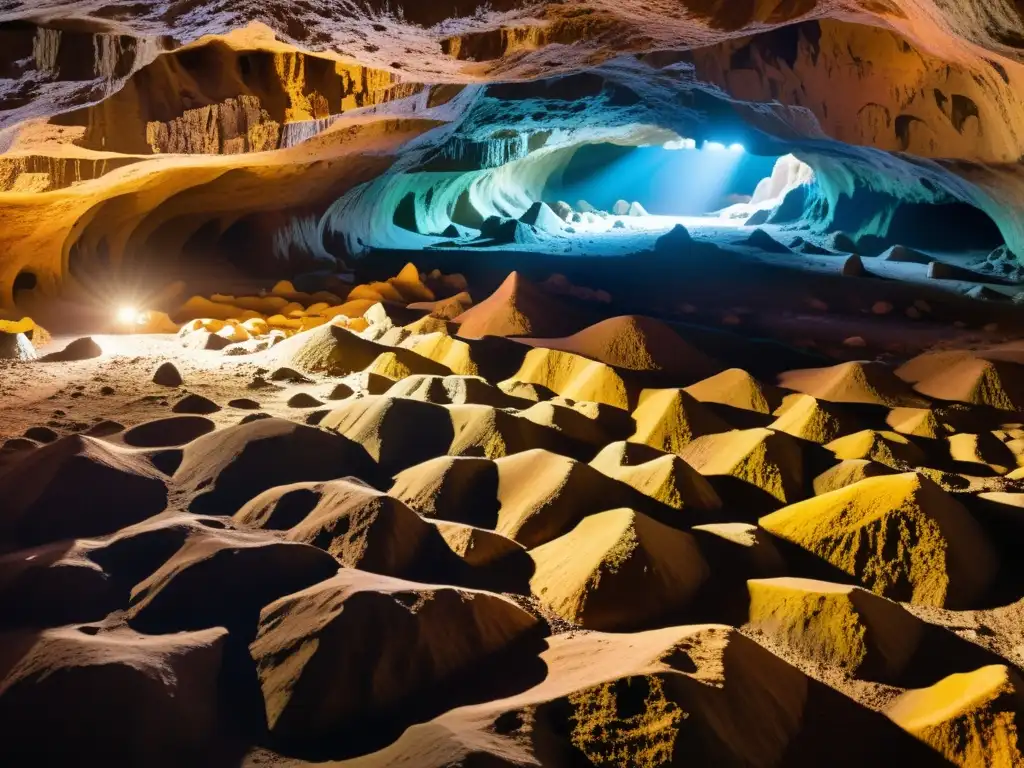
<point>679,178</point>
<point>25,282</point>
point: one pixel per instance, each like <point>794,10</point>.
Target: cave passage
<point>679,178</point>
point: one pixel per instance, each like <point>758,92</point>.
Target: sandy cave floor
<point>578,589</point>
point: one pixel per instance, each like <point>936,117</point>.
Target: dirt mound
<point>195,404</point>
<point>176,430</point>
<point>518,308</point>
<point>52,585</point>
<point>359,526</point>
<point>77,487</point>
<point>77,695</point>
<point>770,462</point>
<point>542,495</point>
<point>856,382</point>
<point>737,389</point>
<point>491,357</point>
<point>410,285</point>
<point>596,427</point>
<point>478,546</point>
<point>395,431</point>
<point>837,625</point>
<point>697,690</point>
<point>927,364</point>
<point>462,489</point>
<point>977,381</point>
<point>222,578</point>
<point>669,419</point>
<point>811,419</point>
<point>635,343</point>
<point>481,430</point>
<point>971,719</point>
<point>221,471</point>
<point>847,473</point>
<point>664,477</point>
<point>454,390</point>
<point>762,241</point>
<point>444,309</point>
<point>526,390</point>
<point>454,354</point>
<point>888,448</point>
<point>984,449</point>
<point>572,376</point>
<point>917,422</point>
<point>901,536</point>
<point>618,569</point>
<point>382,641</point>
<point>336,351</point>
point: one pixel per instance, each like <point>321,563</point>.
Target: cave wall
<point>366,125</point>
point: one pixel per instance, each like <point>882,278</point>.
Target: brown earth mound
<point>77,487</point>
<point>856,382</point>
<point>223,579</point>
<point>618,569</point>
<point>635,343</point>
<point>664,477</point>
<point>837,625</point>
<point>176,430</point>
<point>811,419</point>
<point>888,448</point>
<point>518,308</point>
<point>382,640</point>
<point>737,389</point>
<point>977,381</point>
<point>221,471</point>
<point>80,695</point>
<point>764,466</point>
<point>971,719</point>
<point>670,419</point>
<point>900,536</point>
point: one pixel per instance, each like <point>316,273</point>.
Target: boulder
<point>675,240</point>
<point>79,349</point>
<point>562,209</point>
<point>166,375</point>
<point>16,346</point>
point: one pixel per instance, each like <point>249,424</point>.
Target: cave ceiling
<point>126,124</point>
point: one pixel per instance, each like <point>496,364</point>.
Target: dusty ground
<point>74,397</point>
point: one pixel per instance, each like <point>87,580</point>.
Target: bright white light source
<point>736,148</point>
<point>714,146</point>
<point>680,144</point>
<point>128,316</point>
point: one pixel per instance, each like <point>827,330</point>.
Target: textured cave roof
<point>920,80</point>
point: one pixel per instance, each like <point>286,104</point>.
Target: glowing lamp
<point>736,148</point>
<point>714,146</point>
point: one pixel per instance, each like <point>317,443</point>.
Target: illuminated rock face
<point>313,131</point>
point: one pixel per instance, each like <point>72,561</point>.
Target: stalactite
<point>45,48</point>
<point>108,52</point>
<point>293,134</point>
